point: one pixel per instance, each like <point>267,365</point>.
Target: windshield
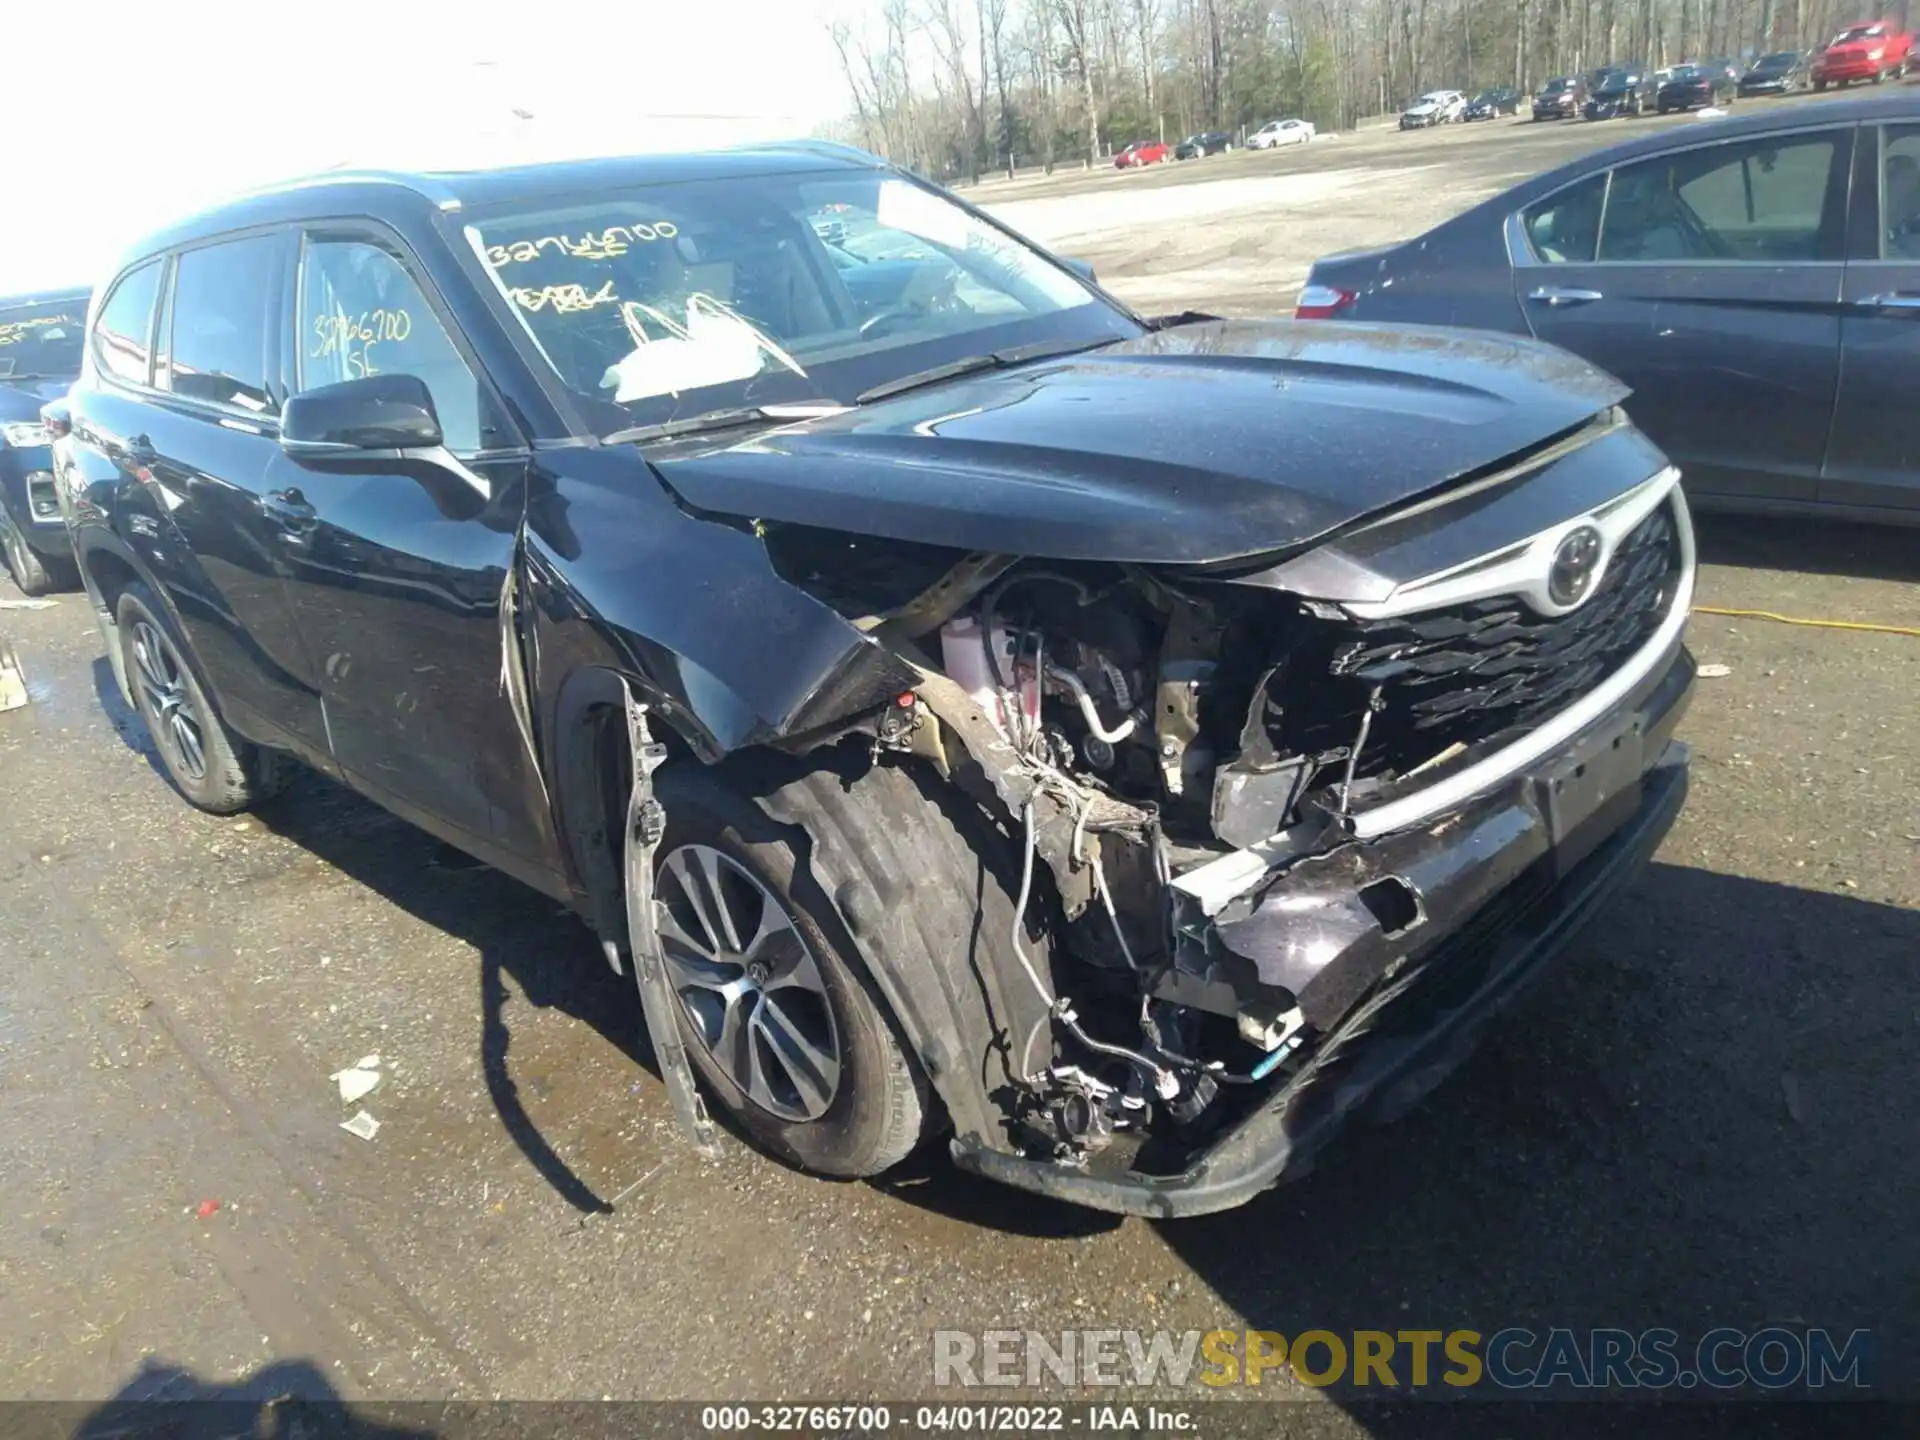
<point>1860,32</point>
<point>1612,77</point>
<point>42,339</point>
<point>1558,85</point>
<point>1782,61</point>
<point>1688,72</point>
<point>667,302</point>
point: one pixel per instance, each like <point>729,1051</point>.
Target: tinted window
<point>1758,200</point>
<point>1565,227</point>
<point>1900,193</point>
<point>219,333</point>
<point>120,335</point>
<point>360,313</point>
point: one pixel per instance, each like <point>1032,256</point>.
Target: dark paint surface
<point>1199,443</point>
<point>1770,385</point>
<point>352,609</point>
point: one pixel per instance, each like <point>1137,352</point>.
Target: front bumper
<point>1606,109</point>
<point>1418,122</point>
<point>1499,892</point>
<point>32,501</point>
<point>1762,87</point>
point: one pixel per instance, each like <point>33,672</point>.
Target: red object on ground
<point>206,1208</point>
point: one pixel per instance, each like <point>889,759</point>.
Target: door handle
<point>1563,295</point>
<point>1893,300</point>
<point>290,511</point>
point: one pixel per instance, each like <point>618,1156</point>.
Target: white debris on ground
<point>13,681</point>
<point>358,1080</point>
<point>362,1124</point>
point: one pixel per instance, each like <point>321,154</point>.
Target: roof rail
<point>830,149</point>
<point>426,187</point>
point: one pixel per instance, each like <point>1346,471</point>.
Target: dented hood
<point>1199,443</point>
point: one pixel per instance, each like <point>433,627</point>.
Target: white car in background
<point>1281,132</point>
<point>1436,107</point>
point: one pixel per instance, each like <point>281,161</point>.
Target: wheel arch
<point>954,1007</point>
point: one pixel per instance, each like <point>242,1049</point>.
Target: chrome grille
<point>1464,674</point>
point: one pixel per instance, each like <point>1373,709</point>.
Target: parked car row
<point>1270,136</point>
<point>947,744</point>
<point>40,342</point>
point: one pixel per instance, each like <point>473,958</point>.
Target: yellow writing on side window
<point>353,337</point>
<point>614,240</point>
<point>14,331</point>
<point>565,299</point>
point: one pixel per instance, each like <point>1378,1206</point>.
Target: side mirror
<point>1082,268</point>
<point>377,412</point>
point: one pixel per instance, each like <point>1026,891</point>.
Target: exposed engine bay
<point>1137,731</point>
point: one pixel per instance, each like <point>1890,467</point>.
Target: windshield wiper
<point>722,420</point>
<point>969,364</point>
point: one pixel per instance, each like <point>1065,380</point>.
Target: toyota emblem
<point>1576,564</point>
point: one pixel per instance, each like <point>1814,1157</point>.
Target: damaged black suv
<point>1128,747</point>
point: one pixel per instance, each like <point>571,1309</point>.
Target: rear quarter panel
<point>1456,274</point>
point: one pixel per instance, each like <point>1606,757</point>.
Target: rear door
<point>399,561</point>
<point>1599,312</point>
<point>1873,457</point>
<point>208,434</point>
<point>1714,292</point>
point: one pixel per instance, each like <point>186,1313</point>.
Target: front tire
<point>781,1019</point>
<point>214,769</point>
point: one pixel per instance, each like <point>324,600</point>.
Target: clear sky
<point>141,111</point>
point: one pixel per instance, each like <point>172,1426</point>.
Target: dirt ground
<point>1702,1116</point>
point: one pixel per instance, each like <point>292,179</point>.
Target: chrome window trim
<point>1520,251</point>
<point>1523,567</point>
<point>1220,881</point>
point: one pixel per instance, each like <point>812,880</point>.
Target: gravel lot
<point>1702,1117</point>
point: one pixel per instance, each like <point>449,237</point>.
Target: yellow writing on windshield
<point>614,240</point>
<point>14,331</point>
<point>565,299</point>
<point>353,337</point>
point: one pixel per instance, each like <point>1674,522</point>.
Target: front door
<point>1874,455</point>
<point>397,564</point>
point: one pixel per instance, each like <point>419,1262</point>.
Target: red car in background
<point>1143,152</point>
<point>1870,50</point>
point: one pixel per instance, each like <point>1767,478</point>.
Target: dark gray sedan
<point>1755,280</point>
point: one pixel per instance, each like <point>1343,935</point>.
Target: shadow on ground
<point>1810,547</point>
<point>287,1400</point>
<point>1696,1120</point>
<point>552,958</point>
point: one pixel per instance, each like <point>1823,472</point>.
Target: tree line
<point>956,88</point>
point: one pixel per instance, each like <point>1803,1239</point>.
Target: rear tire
<point>214,769</point>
